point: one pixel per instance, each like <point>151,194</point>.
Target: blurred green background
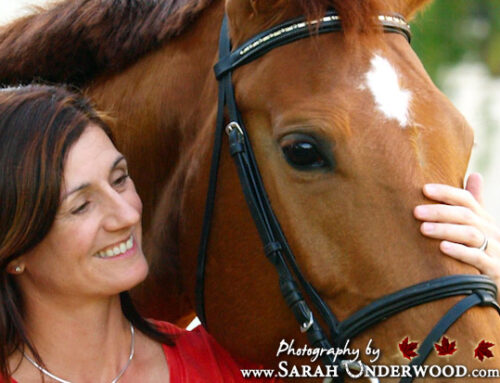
<point>458,42</point>
<point>450,31</point>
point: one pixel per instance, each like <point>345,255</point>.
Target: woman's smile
<point>120,249</point>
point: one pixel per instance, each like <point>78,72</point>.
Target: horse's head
<point>346,128</point>
<point>346,133</point>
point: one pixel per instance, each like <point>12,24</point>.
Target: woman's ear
<point>16,266</point>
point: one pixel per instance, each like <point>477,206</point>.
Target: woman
<point>70,245</point>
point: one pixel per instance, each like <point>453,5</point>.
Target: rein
<point>479,290</point>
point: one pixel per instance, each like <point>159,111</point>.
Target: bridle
<point>478,290</point>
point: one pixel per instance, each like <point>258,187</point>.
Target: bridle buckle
<point>307,325</point>
<point>232,126</point>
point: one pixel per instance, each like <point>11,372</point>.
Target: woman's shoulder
<point>197,357</point>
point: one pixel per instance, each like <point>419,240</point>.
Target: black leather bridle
<point>478,290</point>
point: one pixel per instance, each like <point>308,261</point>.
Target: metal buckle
<point>307,325</point>
<point>233,125</point>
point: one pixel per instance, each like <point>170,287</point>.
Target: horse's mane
<point>76,40</point>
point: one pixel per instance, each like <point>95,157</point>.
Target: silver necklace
<point>132,344</point>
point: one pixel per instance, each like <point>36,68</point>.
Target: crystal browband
<point>384,19</point>
<point>297,29</point>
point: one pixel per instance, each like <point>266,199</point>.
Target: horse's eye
<point>302,152</point>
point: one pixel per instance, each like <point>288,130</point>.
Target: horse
<point>346,128</point>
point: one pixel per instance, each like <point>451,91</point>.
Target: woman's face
<point>94,246</point>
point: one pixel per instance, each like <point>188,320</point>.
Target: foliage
<point>449,31</point>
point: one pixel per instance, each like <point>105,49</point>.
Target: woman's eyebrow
<point>119,159</point>
<point>77,189</point>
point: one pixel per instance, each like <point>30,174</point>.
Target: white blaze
<point>390,98</point>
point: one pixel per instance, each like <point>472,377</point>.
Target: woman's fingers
<point>460,234</point>
<point>489,265</point>
<point>452,196</point>
<point>461,223</point>
<point>475,185</point>
<point>465,254</point>
<point>446,213</point>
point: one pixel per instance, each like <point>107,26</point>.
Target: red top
<point>197,357</point>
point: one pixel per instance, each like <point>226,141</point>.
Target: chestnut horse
<point>346,128</point>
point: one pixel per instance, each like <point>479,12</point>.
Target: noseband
<point>478,290</point>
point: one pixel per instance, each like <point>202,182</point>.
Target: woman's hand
<point>460,221</point>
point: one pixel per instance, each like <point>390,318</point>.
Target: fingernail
<point>445,245</point>
<point>430,188</point>
<point>421,210</point>
<point>428,227</point>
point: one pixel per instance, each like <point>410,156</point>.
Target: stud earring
<point>19,269</point>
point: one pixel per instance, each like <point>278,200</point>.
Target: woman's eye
<point>120,181</point>
<point>80,209</point>
<point>303,154</point>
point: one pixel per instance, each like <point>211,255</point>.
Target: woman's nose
<point>123,210</point>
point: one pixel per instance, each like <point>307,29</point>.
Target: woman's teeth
<point>118,249</point>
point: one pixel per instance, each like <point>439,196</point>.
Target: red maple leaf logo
<point>445,348</point>
<point>483,350</point>
<point>408,349</point>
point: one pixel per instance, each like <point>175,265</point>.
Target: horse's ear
<point>254,7</point>
<point>408,8</point>
<point>266,6</point>
<point>248,17</point>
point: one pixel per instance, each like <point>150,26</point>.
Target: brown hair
<point>38,126</point>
